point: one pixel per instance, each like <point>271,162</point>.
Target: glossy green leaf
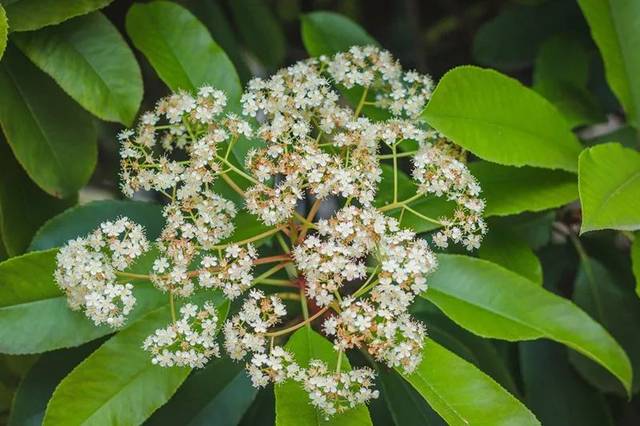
<point>561,74</point>
<point>29,15</point>
<point>512,190</point>
<point>292,402</point>
<point>616,30</point>
<point>554,392</point>
<point>609,184</point>
<point>221,391</point>
<point>117,384</point>
<point>19,220</point>
<point>180,49</point>
<point>91,61</point>
<point>327,33</point>
<point>37,386</point>
<point>4,29</point>
<point>635,260</point>
<point>261,31</point>
<point>50,135</point>
<point>500,120</point>
<point>502,247</point>
<point>615,306</point>
<point>462,394</point>
<point>29,295</point>
<point>262,412</point>
<point>406,406</point>
<point>82,220</point>
<point>492,301</point>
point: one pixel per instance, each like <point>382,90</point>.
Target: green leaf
<point>117,384</point>
<point>327,33</point>
<point>502,247</point>
<point>561,75</point>
<point>82,220</point>
<point>181,49</point>
<point>557,395</point>
<point>462,394</point>
<point>500,120</point>
<point>19,219</point>
<point>614,27</point>
<point>292,401</point>
<point>262,412</point>
<point>4,29</point>
<point>406,406</point>
<point>29,297</point>
<point>609,184</point>
<point>221,391</point>
<point>260,30</point>
<point>50,135</point>
<point>91,61</point>
<point>492,301</point>
<point>36,388</point>
<point>626,135</point>
<point>29,15</point>
<point>512,190</point>
<point>615,307</point>
<point>635,260</point>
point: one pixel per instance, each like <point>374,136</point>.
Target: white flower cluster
<point>245,334</point>
<point>438,171</point>
<point>190,341</point>
<point>230,273</point>
<point>87,270</point>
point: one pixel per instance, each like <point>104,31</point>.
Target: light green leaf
<point>614,306</point>
<point>29,15</point>
<point>494,302</point>
<point>561,74</point>
<point>261,31</point>
<point>4,29</point>
<point>502,247</point>
<point>36,388</point>
<point>180,49</point>
<point>292,401</point>
<point>19,220</point>
<point>609,184</point>
<point>29,297</point>
<point>616,30</point>
<point>462,394</point>
<point>91,61</point>
<point>554,391</point>
<point>51,136</point>
<point>327,33</point>
<point>82,220</point>
<point>221,391</point>
<point>512,190</point>
<point>635,260</point>
<point>500,120</point>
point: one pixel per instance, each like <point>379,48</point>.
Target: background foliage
<point>539,325</point>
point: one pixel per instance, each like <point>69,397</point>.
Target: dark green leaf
<point>28,15</point>
<point>262,412</point>
<point>292,402</point>
<point>220,391</point>
<point>82,220</point>
<point>609,184</point>
<point>614,27</point>
<point>462,394</point>
<point>616,307</point>
<point>555,392</point>
<point>29,295</point>
<point>260,30</point>
<point>91,61</point>
<point>327,33</point>
<point>50,135</point>
<point>37,386</point>
<point>502,247</point>
<point>491,301</point>
<point>635,260</point>
<point>19,219</point>
<point>626,135</point>
<point>181,49</point>
<point>500,120</point>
